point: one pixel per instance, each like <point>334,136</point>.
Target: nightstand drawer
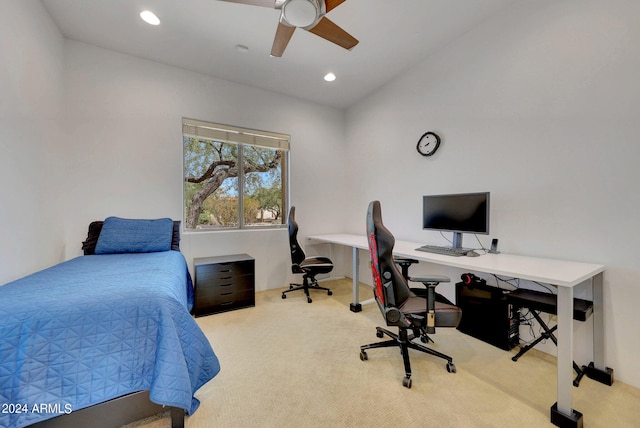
<point>225,295</point>
<point>211,287</point>
<point>244,267</point>
<point>219,278</point>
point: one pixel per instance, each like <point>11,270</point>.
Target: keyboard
<point>447,251</point>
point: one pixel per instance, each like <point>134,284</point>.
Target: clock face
<point>428,144</point>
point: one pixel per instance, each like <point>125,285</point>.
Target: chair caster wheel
<point>329,292</point>
<point>406,382</point>
<point>451,368</point>
<point>363,356</point>
<point>379,334</point>
<point>424,339</point>
<point>309,300</point>
<point>284,296</point>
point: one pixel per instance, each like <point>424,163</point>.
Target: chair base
<point>306,286</point>
<point>404,341</point>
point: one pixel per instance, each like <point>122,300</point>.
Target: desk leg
<point>596,369</point>
<point>355,306</point>
<point>562,413</point>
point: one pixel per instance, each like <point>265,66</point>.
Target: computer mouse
<point>472,254</point>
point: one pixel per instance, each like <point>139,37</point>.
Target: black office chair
<point>399,305</point>
<point>308,266</point>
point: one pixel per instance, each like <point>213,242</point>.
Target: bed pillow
<point>95,227</point>
<point>121,235</point>
<point>89,244</point>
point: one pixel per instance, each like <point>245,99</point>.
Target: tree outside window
<point>228,171</point>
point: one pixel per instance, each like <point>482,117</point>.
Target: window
<point>229,171</point>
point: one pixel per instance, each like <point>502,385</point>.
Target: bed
<point>109,327</point>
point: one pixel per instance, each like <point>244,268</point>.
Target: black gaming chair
<point>308,266</point>
<point>399,305</point>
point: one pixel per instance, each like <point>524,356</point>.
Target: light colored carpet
<point>287,363</point>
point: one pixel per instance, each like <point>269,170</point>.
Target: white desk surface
<point>550,271</point>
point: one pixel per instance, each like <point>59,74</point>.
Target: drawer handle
<point>225,285</point>
<point>226,277</point>
<point>225,270</point>
<point>227,303</point>
<point>226,294</point>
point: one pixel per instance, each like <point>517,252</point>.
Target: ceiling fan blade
<point>265,3</point>
<point>281,40</point>
<point>332,4</point>
<point>326,29</point>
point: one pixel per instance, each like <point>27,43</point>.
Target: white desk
<point>565,275</point>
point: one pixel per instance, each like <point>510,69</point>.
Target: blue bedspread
<point>99,327</point>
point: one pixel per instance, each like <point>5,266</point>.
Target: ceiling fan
<point>308,15</point>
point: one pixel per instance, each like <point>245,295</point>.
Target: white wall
<point>124,151</point>
<point>539,106</point>
<point>30,90</point>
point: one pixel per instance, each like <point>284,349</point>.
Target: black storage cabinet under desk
<point>486,315</point>
<point>223,283</point>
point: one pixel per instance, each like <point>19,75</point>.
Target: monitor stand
<point>457,240</point>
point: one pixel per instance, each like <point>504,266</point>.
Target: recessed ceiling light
<point>330,77</point>
<point>149,17</point>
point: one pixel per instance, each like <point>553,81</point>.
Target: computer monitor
<point>458,213</point>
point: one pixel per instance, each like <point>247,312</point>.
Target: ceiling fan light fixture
<point>149,17</point>
<point>329,77</point>
<point>300,13</point>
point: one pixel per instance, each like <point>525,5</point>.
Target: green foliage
<point>269,199</point>
<point>224,210</point>
<point>206,161</point>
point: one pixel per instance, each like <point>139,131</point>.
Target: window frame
<point>242,138</point>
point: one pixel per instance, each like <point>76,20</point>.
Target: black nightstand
<point>223,283</point>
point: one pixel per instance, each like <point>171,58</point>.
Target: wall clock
<point>428,143</point>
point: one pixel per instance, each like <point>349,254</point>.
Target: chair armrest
<point>407,260</point>
<point>431,283</point>
<point>433,279</point>
<point>404,264</point>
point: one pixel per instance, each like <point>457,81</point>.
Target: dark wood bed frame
<point>115,413</point>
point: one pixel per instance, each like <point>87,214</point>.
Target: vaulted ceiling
<point>204,36</point>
